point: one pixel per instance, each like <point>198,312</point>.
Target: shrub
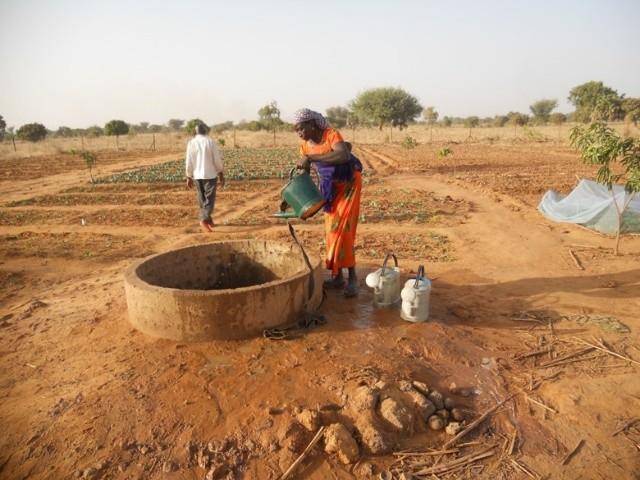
<point>32,132</point>
<point>409,142</point>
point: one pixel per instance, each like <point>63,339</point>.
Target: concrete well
<point>221,290</point>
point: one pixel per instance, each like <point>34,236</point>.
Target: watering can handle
<point>384,264</point>
<point>419,275</point>
<point>291,172</point>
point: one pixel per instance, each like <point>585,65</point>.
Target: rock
<point>144,449</point>
<point>203,458</point>
<point>405,386</point>
<point>437,399</point>
<point>453,428</point>
<point>309,419</point>
<point>449,403</point>
<point>169,466</point>
<point>465,392</point>
<point>364,399</point>
<point>457,414</point>
<point>338,440</point>
<point>425,408</point>
<point>435,422</point>
<point>373,439</point>
<point>91,473</point>
<point>293,437</point>
<point>365,471</point>
<point>396,414</point>
<point>422,387</point>
<point>443,414</point>
<point>381,385</point>
<point>218,470</point>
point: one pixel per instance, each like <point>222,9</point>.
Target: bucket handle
<point>419,275</point>
<point>386,258</point>
<point>291,172</point>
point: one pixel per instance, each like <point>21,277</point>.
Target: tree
<point>192,124</point>
<point>631,108</point>
<point>143,127</point>
<point>32,132</point>
<point>222,127</point>
<point>500,120</point>
<point>431,117</point>
<point>64,132</point>
<point>471,123</point>
<point>3,126</point>
<point>89,160</point>
<point>117,128</point>
<point>447,121</point>
<point>337,116</point>
<point>155,128</point>
<point>94,131</point>
<point>557,118</point>
<point>517,119</point>
<point>382,106</point>
<point>175,124</point>
<point>542,109</point>
<point>595,101</point>
<point>269,116</point>
<point>600,145</point>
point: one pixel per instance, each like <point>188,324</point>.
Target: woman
<point>341,185</point>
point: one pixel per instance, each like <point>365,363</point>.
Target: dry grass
<point>171,142</point>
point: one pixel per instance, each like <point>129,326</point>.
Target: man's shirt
<point>203,159</point>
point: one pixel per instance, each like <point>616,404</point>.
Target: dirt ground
<point>515,297</point>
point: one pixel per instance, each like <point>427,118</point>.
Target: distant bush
<point>32,132</point>
<point>409,142</point>
<point>191,125</point>
<point>444,152</point>
<point>116,127</point>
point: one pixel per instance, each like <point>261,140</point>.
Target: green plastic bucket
<point>302,195</point>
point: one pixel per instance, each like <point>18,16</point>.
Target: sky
<point>79,63</point>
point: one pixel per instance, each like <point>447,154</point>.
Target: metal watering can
<point>415,298</point>
<point>385,283</point>
<point>302,195</point>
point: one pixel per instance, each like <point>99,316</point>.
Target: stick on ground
<point>610,352</point>
<point>575,260</point>
<point>567,458</point>
<point>625,426</point>
<point>477,421</point>
<point>302,456</point>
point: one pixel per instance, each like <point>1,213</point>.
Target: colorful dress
<point>341,186</point>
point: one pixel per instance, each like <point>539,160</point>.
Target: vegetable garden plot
<point>428,246</point>
<point>72,245</point>
<point>380,204</point>
<point>240,164</point>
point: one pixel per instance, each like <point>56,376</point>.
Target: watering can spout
<point>285,215</point>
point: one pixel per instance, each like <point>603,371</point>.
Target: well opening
<point>221,290</point>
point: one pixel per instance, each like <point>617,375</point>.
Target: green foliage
<point>65,132</point>
<point>239,163</point>
<point>3,126</point>
<point>500,120</point>
<point>222,127</point>
<point>518,119</point>
<point>191,125</point>
<point>116,127</point>
<point>631,108</point>
<point>542,109</point>
<point>600,145</point>
<point>337,116</point>
<point>471,122</point>
<point>154,128</point>
<point>175,124</point>
<point>94,131</point>
<point>557,118</point>
<point>269,116</point>
<point>32,132</point>
<point>447,121</point>
<point>222,142</point>
<point>595,101</point>
<point>252,126</point>
<point>89,160</point>
<point>382,106</point>
<point>409,142</point>
<point>430,115</point>
<point>444,152</point>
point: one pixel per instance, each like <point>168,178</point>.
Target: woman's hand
<point>304,164</point>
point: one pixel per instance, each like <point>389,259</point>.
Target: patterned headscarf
<point>305,114</point>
